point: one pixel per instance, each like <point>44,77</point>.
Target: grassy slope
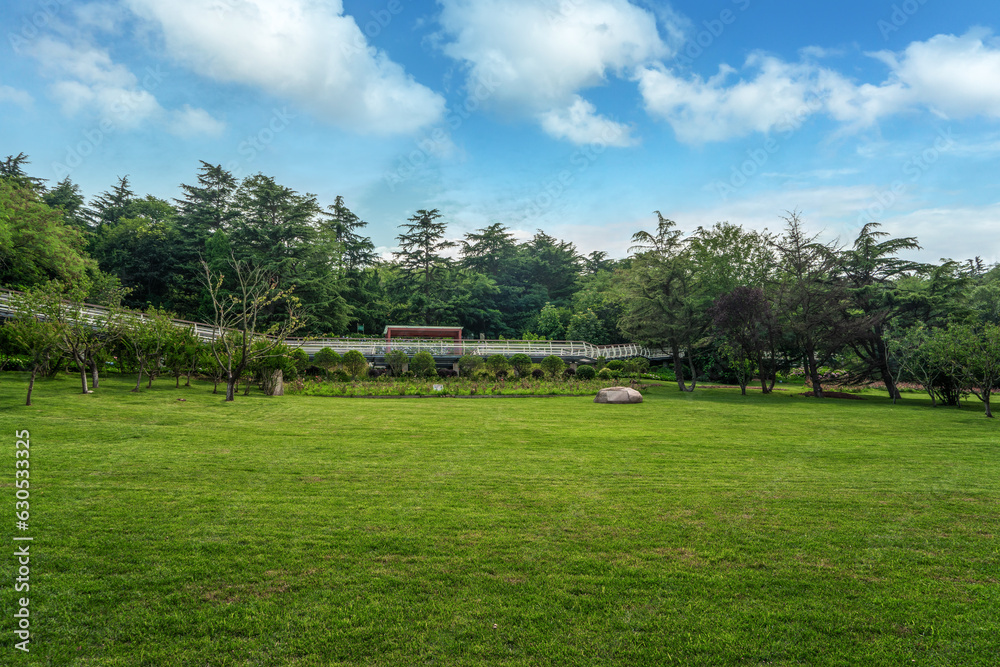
<point>707,529</point>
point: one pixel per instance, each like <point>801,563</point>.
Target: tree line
<point>725,302</point>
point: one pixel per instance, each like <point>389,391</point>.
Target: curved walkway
<point>441,349</point>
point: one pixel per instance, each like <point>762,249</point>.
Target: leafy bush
<point>395,360</point>
<point>602,361</point>
<point>498,364</point>
<point>537,373</point>
<point>301,360</point>
<point>422,364</point>
<point>569,372</point>
<point>521,363</point>
<point>327,359</point>
<point>608,374</point>
<point>553,365</point>
<point>586,373</point>
<point>642,364</point>
<point>355,364</point>
<point>616,365</point>
<point>444,373</point>
<point>469,364</point>
<point>340,375</point>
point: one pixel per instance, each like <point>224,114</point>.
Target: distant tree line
<point>725,302</point>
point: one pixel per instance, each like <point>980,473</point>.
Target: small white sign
<point>439,387</point>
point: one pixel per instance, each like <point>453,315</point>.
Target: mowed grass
<point>704,529</point>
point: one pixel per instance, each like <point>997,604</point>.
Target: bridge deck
<point>443,350</point>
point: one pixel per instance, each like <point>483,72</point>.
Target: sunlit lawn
<point>705,529</point>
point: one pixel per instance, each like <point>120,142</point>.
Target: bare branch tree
<point>236,314</point>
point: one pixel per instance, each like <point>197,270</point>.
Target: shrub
<point>355,364</point>
<point>498,364</point>
<point>521,363</point>
<point>377,372</point>
<point>537,373</point>
<point>616,365</point>
<point>553,366</point>
<point>446,373</point>
<point>602,361</point>
<point>642,364</point>
<point>340,375</point>
<point>327,359</point>
<point>608,374</point>
<point>395,360</point>
<point>301,360</point>
<point>422,364</point>
<point>586,372</point>
<point>569,372</point>
<point>469,364</point>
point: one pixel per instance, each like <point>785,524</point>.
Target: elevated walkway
<point>443,350</point>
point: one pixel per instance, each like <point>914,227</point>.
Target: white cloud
<point>301,50</point>
<point>100,15</point>
<point>11,95</point>
<point>538,56</point>
<point>189,122</point>
<point>950,76</point>
<point>581,124</point>
<point>780,97</point>
<point>956,76</point>
<point>86,79</point>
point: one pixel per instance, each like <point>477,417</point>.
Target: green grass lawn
<point>704,529</point>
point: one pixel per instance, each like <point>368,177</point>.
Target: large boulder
<point>618,395</point>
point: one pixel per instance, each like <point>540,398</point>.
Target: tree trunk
<point>194,363</point>
<point>678,368</point>
<point>31,382</point>
<point>813,371</point>
<point>82,365</point>
<point>215,387</point>
<point>890,382</point>
<point>694,373</point>
<point>231,387</point>
<point>986,401</point>
<point>138,379</point>
<point>177,383</point>
<point>95,376</point>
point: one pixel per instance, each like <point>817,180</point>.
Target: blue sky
<point>578,117</point>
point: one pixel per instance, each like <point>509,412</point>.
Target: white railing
<point>438,347</point>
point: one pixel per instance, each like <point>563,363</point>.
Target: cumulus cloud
<point>307,51</point>
<point>951,76</point>
<point>11,95</point>
<point>538,56</point>
<point>581,124</point>
<point>86,79</point>
<point>780,96</point>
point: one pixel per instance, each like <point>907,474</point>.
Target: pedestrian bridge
<point>443,350</point>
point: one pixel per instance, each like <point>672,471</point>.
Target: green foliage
<point>497,364</point>
<point>586,372</point>
<point>608,374</point>
<point>470,363</point>
<point>616,365</point>
<point>355,364</point>
<point>553,366</point>
<point>586,326</point>
<point>327,359</point>
<point>36,244</point>
<point>521,363</point>
<point>300,359</point>
<point>396,360</point>
<point>551,322</point>
<point>422,364</point>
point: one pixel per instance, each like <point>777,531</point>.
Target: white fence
<point>438,347</point>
